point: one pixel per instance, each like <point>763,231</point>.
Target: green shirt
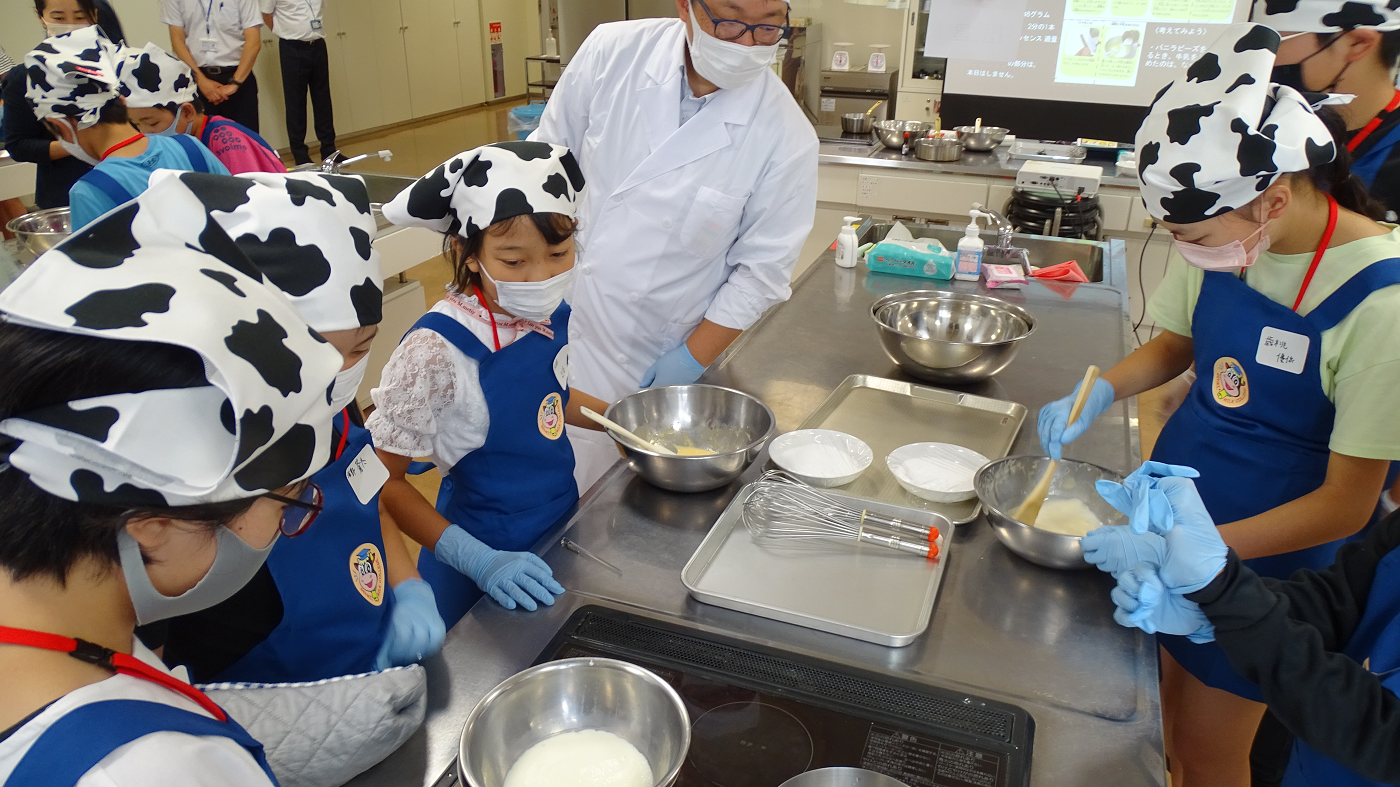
<point>1360,355</point>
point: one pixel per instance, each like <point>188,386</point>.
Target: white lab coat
<point>678,223</point>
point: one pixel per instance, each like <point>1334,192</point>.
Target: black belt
<point>315,42</point>
<point>217,70</point>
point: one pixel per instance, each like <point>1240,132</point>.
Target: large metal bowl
<point>891,132</point>
<point>568,696</point>
<point>981,138</point>
<point>842,777</point>
<point>731,423</point>
<point>950,337</point>
<point>1002,487</point>
<point>43,229</point>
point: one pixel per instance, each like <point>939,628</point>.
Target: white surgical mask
<point>235,564</point>
<point>74,149</point>
<point>347,384</point>
<point>726,63</point>
<point>1231,256</point>
<point>171,130</point>
<point>56,29</point>
<point>532,300</point>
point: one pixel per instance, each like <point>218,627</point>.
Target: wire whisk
<point>780,507</point>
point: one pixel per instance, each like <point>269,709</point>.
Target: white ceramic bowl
<point>798,453</point>
<point>947,470</point>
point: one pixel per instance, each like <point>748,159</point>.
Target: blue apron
<point>334,586</point>
<point>1377,637</point>
<point>1258,434</point>
<point>1368,164</point>
<point>74,744</point>
<point>520,481</point>
<point>119,194</point>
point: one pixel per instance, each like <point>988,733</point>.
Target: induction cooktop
<point>835,134</point>
<point>760,716</point>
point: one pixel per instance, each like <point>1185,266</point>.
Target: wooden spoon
<point>1030,509</point>
<point>611,425</point>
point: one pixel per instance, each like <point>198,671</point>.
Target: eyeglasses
<point>733,29</point>
<point>300,511</point>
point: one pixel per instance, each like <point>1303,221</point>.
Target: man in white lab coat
<point>702,180</point>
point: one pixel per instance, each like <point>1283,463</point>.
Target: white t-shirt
<point>291,19</point>
<point>429,401</point>
<point>223,21</point>
<point>161,759</point>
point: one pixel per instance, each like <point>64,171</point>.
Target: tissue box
<point>911,258</point>
<point>1003,277</point>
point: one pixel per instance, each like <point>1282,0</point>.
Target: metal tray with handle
<point>887,414</point>
<point>867,592</point>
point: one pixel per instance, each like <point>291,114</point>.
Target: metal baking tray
<point>863,591</point>
<point>887,414</point>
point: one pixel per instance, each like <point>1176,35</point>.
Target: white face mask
<point>725,63</point>
<point>74,149</point>
<point>56,29</point>
<point>235,564</point>
<point>532,300</point>
<point>172,129</point>
<point>347,384</point>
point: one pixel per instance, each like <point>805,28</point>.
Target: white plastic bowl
<point>794,452</point>
<point>950,469</point>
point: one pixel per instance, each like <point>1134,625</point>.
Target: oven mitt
<point>1144,602</point>
<point>325,733</point>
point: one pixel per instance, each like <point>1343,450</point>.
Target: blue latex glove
<point>1141,498</point>
<point>510,578</point>
<point>677,367</point>
<point>1195,551</point>
<point>1116,548</point>
<point>1145,602</point>
<point>416,629</point>
<point>1054,432</point>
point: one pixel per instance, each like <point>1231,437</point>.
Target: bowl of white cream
<point>937,472</point>
<point>583,722</point>
<point>821,457</point>
<point>1072,509</point>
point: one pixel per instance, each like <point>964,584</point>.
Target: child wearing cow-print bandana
<point>480,383</point>
<point>1284,298</point>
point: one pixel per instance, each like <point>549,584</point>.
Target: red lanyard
<point>1374,124</point>
<point>121,145</point>
<point>1321,250</point>
<point>344,432</point>
<point>120,663</point>
<point>495,336</point>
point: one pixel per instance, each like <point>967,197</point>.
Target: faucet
<point>1004,227</point>
<point>336,161</point>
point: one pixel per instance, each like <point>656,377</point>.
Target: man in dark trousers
<point>302,49</point>
<point>219,40</point>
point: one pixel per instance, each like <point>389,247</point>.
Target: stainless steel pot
<point>981,138</point>
<point>842,777</point>
<point>857,123</point>
<point>953,338</point>
<point>930,149</point>
<point>1002,487</point>
<point>731,423</point>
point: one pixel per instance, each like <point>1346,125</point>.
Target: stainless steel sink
<point>1043,250</point>
<point>382,188</point>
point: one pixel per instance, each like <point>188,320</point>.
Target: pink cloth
<point>238,149</point>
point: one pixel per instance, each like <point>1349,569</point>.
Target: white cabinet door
<point>332,12</point>
<point>272,112</point>
<point>430,46</point>
<point>470,58</point>
<point>355,43</point>
<point>921,194</point>
<point>387,32</point>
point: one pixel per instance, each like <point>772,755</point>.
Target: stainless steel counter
<point>1003,628</point>
<point>993,164</point>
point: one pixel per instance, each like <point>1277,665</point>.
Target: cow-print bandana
<point>152,77</point>
<point>1214,140</point>
<point>473,190</point>
<point>72,76</point>
<point>158,269</point>
<point>1327,16</point>
<point>310,234</point>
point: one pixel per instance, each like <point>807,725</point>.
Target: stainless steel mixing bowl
<point>1002,487</point>
<point>949,337</point>
<point>43,229</point>
<point>891,132</point>
<point>568,696</point>
<point>842,777</point>
<point>731,423</point>
<point>981,138</point>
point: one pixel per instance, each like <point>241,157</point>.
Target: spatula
<point>1030,509</point>
<point>614,426</point>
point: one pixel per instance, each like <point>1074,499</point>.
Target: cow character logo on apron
<point>1231,386</point>
<point>551,418</point>
<point>367,572</point>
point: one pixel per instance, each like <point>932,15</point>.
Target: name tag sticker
<point>1282,350</point>
<point>366,474</point>
<point>315,24</point>
<point>208,45</point>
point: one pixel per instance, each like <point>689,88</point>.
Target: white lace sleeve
<point>416,392</point>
